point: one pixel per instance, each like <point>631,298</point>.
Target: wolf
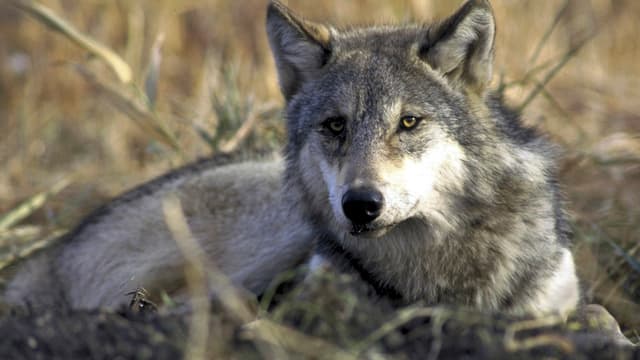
<point>400,166</point>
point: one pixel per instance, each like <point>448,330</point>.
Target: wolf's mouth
<point>369,230</point>
<point>358,229</point>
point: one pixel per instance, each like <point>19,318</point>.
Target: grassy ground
<point>203,81</point>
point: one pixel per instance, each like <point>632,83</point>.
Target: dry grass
<point>201,69</point>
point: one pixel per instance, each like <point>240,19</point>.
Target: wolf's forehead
<point>377,77</point>
<point>380,55</point>
<point>370,72</point>
<point>381,39</point>
<point>363,83</point>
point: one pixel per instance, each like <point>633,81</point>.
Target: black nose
<point>363,205</point>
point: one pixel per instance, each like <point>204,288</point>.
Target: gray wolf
<point>400,166</point>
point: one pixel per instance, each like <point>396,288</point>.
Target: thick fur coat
<point>400,166</point>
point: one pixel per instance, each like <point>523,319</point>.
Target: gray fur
<point>472,213</point>
<point>236,211</point>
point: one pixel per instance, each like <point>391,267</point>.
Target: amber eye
<point>409,122</point>
<point>335,125</point>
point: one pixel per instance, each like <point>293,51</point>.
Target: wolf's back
<point>235,211</point>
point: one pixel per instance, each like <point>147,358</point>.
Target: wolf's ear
<point>300,47</point>
<point>461,47</point>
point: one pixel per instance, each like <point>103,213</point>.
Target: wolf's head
<point>380,119</point>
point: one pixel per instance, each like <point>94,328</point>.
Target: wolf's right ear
<point>300,47</point>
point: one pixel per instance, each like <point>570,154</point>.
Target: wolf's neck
<point>429,261</point>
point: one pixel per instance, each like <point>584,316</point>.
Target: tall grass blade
<point>547,34</point>
<point>49,18</point>
<point>153,72</point>
<point>30,205</point>
<point>196,277</point>
<point>553,72</point>
<point>25,251</point>
<point>629,259</point>
<point>147,120</point>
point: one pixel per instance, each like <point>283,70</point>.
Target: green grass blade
<point>30,205</point>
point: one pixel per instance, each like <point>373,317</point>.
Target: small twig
<point>436,345</point>
<point>615,161</point>
<point>629,259</point>
<point>547,34</point>
<point>29,249</point>
<point>47,17</point>
<point>20,234</point>
<point>554,103</point>
<point>146,120</point>
<point>400,319</point>
<point>201,276</point>
<point>553,72</point>
<point>29,206</point>
<point>292,340</point>
<point>245,129</point>
<point>512,345</point>
<point>195,276</point>
<point>526,79</point>
<point>271,291</point>
<point>153,71</point>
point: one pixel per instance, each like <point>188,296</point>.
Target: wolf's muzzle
<point>362,205</point>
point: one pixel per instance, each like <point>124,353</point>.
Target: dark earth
<point>329,316</point>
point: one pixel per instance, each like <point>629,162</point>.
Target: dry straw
<point>53,21</point>
<point>26,240</point>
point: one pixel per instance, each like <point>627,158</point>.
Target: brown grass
<point>201,68</point>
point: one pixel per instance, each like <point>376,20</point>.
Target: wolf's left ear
<point>300,47</point>
<point>461,47</point>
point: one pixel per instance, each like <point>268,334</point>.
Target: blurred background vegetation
<point>73,134</point>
